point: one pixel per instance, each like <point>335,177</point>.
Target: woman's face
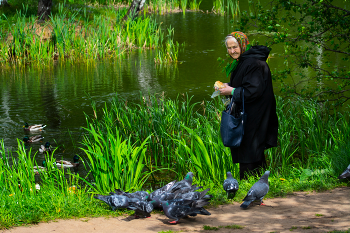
<point>233,48</point>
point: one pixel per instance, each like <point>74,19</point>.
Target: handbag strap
<point>231,104</point>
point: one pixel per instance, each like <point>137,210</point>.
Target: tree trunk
<point>3,3</point>
<point>44,9</point>
<point>135,7</point>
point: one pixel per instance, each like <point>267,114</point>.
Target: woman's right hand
<point>226,90</point>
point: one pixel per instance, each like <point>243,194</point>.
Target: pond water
<point>59,95</point>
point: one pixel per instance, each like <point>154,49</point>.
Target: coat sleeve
<point>253,83</point>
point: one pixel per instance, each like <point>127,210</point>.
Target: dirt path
<point>299,212</point>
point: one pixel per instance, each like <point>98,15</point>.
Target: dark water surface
<point>59,95</point>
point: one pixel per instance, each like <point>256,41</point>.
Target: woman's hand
<point>226,90</point>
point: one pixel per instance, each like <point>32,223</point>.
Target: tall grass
<point>67,37</point>
<point>228,7</point>
<point>62,193</point>
<point>164,6</point>
<point>169,52</point>
<point>114,162</point>
<point>185,136</point>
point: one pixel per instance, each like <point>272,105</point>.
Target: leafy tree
<point>315,36</point>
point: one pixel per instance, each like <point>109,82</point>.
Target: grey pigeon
<point>194,195</point>
<point>345,174</point>
<point>184,185</point>
<point>178,209</point>
<point>230,184</point>
<point>142,208</point>
<point>257,191</point>
<point>142,195</point>
<point>162,190</point>
<point>156,201</point>
<point>114,201</point>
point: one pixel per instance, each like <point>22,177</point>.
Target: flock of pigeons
<point>180,199</point>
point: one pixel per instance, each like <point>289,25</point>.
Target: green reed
<point>113,161</point>
<point>67,37</point>
<point>168,53</point>
<point>223,7</point>
<point>184,5</point>
<point>185,136</point>
<point>306,130</point>
<point>194,5</point>
<point>164,6</point>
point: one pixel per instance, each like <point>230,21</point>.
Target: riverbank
<point>297,212</point>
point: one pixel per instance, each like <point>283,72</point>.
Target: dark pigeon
<point>257,191</point>
<point>141,195</point>
<point>194,195</point>
<point>184,185</point>
<point>156,202</point>
<point>162,190</point>
<point>345,174</point>
<point>114,201</point>
<point>178,209</point>
<point>142,208</point>
<point>230,185</point>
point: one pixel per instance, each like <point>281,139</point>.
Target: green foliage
<point>316,43</point>
<point>75,33</point>
<point>114,162</point>
<point>223,7</point>
<point>60,194</point>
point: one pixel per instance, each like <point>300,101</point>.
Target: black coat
<point>253,74</point>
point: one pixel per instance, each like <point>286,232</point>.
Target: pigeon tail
<point>345,174</point>
<point>245,204</point>
<point>102,198</point>
<point>204,211</point>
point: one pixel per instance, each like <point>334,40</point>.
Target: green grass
<point>78,35</point>
<point>232,226</point>
<point>145,144</point>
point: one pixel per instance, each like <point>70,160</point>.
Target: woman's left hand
<point>226,90</point>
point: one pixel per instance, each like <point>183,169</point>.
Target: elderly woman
<point>249,71</point>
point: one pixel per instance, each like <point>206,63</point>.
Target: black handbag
<point>232,125</point>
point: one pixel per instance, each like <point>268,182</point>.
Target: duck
<point>31,139</point>
<point>68,164</point>
<point>45,148</point>
<point>37,127</point>
<point>38,169</point>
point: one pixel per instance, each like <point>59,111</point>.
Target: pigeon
<point>156,201</point>
<point>114,201</point>
<point>257,191</point>
<point>184,185</point>
<point>178,209</point>
<point>142,208</point>
<point>194,195</point>
<point>141,195</point>
<point>230,185</point>
<point>161,190</point>
<point>345,174</point>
